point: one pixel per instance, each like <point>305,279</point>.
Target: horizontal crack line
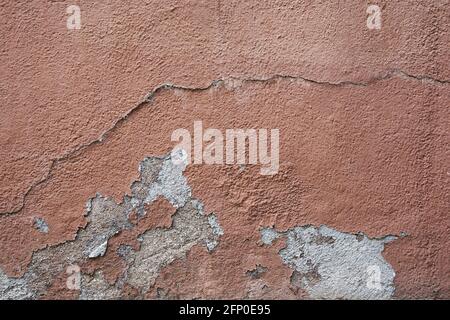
<point>214,84</point>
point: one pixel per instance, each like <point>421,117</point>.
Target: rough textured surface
<point>333,265</point>
<point>154,247</point>
<point>363,117</point>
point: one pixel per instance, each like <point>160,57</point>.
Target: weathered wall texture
<point>93,207</point>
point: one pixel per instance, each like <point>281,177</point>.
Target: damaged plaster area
<point>160,178</point>
<point>329,264</point>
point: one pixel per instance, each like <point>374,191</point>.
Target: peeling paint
<point>171,184</point>
<point>105,219</point>
<point>99,251</point>
<point>268,235</point>
<point>364,147</point>
<point>330,264</point>
<point>160,247</point>
<point>40,225</point>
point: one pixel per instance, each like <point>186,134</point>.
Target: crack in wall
<point>395,73</point>
<point>159,177</point>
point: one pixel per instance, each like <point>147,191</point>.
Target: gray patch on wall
<point>40,225</point>
<point>329,264</point>
<point>159,177</point>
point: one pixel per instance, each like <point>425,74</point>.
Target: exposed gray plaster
<point>171,184</point>
<point>330,264</point>
<point>40,225</point>
<point>99,251</point>
<point>160,247</point>
<point>268,235</point>
<point>213,222</point>
<point>13,289</point>
<point>97,288</point>
<point>159,176</point>
<point>211,244</point>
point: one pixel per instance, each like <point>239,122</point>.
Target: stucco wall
<point>93,205</point>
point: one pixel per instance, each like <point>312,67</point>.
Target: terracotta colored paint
<point>361,103</point>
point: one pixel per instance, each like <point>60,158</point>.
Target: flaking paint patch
<point>330,264</point>
<point>160,247</point>
<point>268,235</point>
<point>99,251</point>
<point>217,231</point>
<point>171,184</point>
<point>105,220</point>
<point>40,225</point>
<point>159,176</point>
<point>282,196</point>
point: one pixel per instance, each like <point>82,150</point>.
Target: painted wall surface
<point>342,190</point>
